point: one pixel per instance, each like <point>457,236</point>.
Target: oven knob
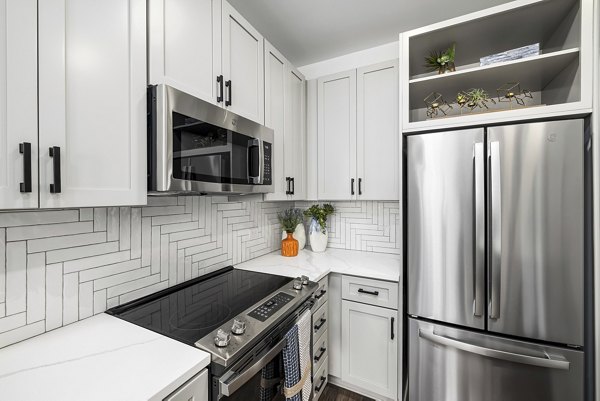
<point>222,339</point>
<point>304,280</point>
<point>239,327</point>
<point>298,284</point>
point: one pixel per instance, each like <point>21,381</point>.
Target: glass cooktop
<point>191,310</point>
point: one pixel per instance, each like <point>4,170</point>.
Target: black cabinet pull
<point>352,186</point>
<point>25,149</point>
<point>376,293</point>
<point>323,292</point>
<point>393,335</point>
<point>54,153</point>
<point>293,191</point>
<point>320,386</point>
<point>220,95</point>
<point>318,357</point>
<point>360,186</point>
<point>228,85</point>
<point>320,324</point>
<point>287,186</point>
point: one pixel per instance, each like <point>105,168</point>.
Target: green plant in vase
<point>289,219</point>
<point>442,61</point>
<point>318,225</point>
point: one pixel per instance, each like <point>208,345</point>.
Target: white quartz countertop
<point>317,265</point>
<point>100,358</point>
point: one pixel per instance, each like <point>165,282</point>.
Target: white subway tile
<point>132,285</point>
<point>100,219</point>
<point>180,266</point>
<point>188,243</point>
<point>95,261</point>
<point>67,241</point>
<point>22,333</point>
<point>164,257</point>
<point>36,287</point>
<point>178,227</point>
<point>54,296</point>
<point>162,201</point>
<point>80,252</point>
<point>2,265</point>
<point>136,233</point>
<point>86,214</point>
<point>112,302</point>
<point>147,241</point>
<point>48,230</point>
<point>125,229</point>
<point>112,223</point>
<point>15,219</point>
<point>70,298</point>
<point>13,321</point>
<point>172,264</point>
<point>16,277</point>
<point>99,301</point>
<point>108,270</point>
<point>156,248</point>
<point>117,279</point>
<point>86,300</point>
<point>2,309</point>
<point>171,219</point>
<point>162,211</point>
<point>151,289</point>
<point>183,235</point>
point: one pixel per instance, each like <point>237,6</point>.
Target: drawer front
<point>321,296</point>
<point>320,323</point>
<point>320,352</point>
<point>320,380</point>
<point>372,292</point>
<point>195,389</point>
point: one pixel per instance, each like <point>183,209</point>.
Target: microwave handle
<point>227,388</point>
<point>261,161</point>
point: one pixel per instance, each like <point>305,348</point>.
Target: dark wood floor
<point>335,393</point>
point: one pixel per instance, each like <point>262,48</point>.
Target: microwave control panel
<point>267,147</point>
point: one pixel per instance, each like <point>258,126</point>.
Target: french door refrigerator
<point>495,263</point>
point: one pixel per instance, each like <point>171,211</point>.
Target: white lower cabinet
<point>196,389</point>
<point>370,348</point>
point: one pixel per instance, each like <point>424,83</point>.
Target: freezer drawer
<point>447,364</point>
<point>446,227</point>
<point>536,195</point>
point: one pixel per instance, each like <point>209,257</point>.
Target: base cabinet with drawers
<point>195,389</point>
<point>320,351</point>
<point>363,335</point>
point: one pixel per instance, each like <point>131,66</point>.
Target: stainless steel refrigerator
<point>495,263</point>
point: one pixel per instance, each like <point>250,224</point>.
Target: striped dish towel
<point>291,364</point>
<point>305,360</point>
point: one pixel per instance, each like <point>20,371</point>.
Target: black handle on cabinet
<point>293,192</point>
<point>25,149</point>
<point>320,324</point>
<point>287,186</point>
<point>393,335</point>
<point>323,292</point>
<point>352,186</point>
<point>376,293</point>
<point>220,81</point>
<point>320,386</point>
<point>318,357</point>
<point>360,186</point>
<point>54,153</point>
<point>228,85</point>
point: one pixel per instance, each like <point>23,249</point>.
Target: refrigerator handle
<point>479,230</point>
<point>495,230</point>
<point>554,362</point>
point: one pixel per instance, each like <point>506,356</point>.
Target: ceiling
<point>307,31</point>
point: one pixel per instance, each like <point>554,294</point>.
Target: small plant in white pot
<point>317,230</point>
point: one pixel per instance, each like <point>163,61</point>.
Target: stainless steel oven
<point>197,147</point>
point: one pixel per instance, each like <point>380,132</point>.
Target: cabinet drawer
<point>320,380</point>
<point>320,352</point>
<point>321,294</point>
<point>319,323</point>
<point>195,389</point>
<point>368,291</point>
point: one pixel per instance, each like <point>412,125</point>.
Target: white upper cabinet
<point>243,66</point>
<point>285,114</point>
<point>358,137</point>
<point>337,136</point>
<point>377,132</point>
<point>92,102</point>
<point>185,46</point>
<point>18,104</point>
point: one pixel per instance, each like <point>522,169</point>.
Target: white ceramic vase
<point>318,238</point>
<point>299,234</point>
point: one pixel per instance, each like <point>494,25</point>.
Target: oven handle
<point>227,387</point>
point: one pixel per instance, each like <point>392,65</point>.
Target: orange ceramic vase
<point>289,246</point>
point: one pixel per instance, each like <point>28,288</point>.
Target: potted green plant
<point>289,220</point>
<point>317,231</point>
<point>442,61</point>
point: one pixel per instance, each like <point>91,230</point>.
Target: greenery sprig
<point>289,219</point>
<point>320,214</point>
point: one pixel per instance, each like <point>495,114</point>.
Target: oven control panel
<point>269,308</point>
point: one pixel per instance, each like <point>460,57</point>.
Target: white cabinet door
<point>337,136</point>
<point>185,46</point>
<point>370,348</point>
<point>275,118</point>
<point>377,132</point>
<point>92,100</point>
<point>18,102</point>
<point>196,389</point>
<point>243,66</point>
<point>296,132</point>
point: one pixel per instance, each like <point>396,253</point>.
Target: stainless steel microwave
<point>197,147</point>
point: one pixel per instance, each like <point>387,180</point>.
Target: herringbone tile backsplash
<point>61,266</point>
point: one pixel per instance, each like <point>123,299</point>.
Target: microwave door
<point>256,158</point>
